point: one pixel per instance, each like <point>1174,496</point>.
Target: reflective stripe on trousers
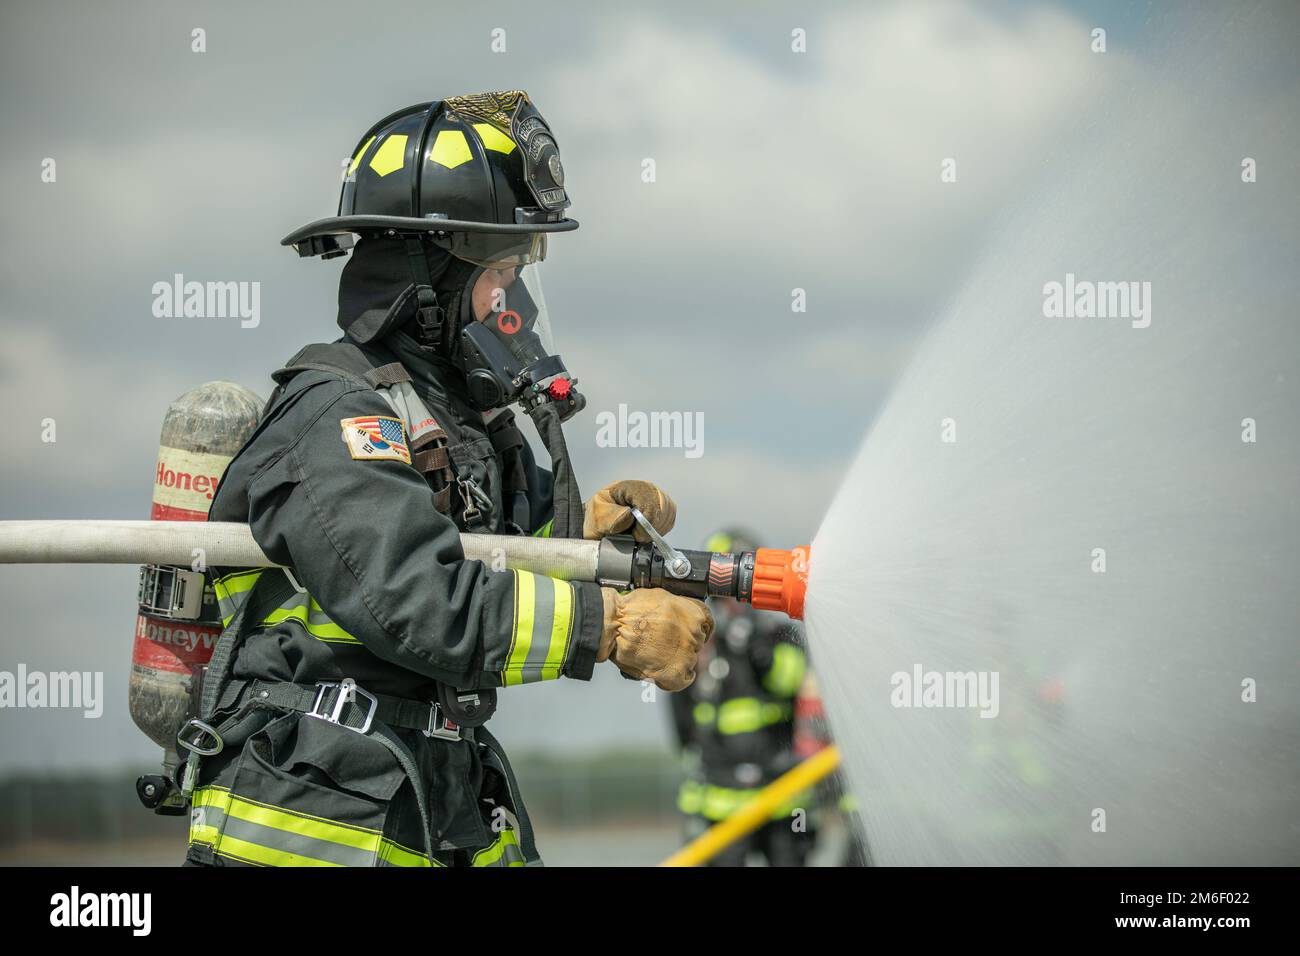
<point>249,831</point>
<point>717,803</point>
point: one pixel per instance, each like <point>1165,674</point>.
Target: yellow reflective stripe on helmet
<point>356,160</point>
<point>390,156</point>
<point>788,665</point>
<point>742,715</point>
<point>494,139</point>
<point>504,851</point>
<point>450,149</point>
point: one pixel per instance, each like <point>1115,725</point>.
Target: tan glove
<point>610,510</point>
<point>654,635</point>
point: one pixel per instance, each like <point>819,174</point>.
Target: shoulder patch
<point>375,438</point>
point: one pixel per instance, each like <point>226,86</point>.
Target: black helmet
<point>479,175</point>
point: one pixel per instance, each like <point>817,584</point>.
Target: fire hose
<point>769,578</point>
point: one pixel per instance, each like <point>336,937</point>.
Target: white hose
<point>224,544</point>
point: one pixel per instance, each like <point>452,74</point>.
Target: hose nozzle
<point>781,580</point>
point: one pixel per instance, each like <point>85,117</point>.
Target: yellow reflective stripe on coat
<point>304,609</point>
<point>254,832</point>
<point>229,589</point>
<point>742,715</point>
<point>541,631</point>
<point>233,588</point>
<point>504,851</point>
<point>786,675</point>
<point>545,530</point>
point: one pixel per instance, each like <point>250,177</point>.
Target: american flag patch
<point>376,438</point>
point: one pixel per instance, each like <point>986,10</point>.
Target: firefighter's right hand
<point>651,634</point>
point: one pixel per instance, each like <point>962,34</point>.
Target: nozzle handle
<point>678,565</point>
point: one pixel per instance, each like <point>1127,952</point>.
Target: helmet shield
<point>493,250</point>
<point>507,348</point>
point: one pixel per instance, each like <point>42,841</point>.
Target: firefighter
<point>837,809</point>
<point>342,720</point>
<point>736,726</point>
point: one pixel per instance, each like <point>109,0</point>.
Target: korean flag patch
<point>377,438</point>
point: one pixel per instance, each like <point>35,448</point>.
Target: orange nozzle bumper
<point>780,580</point>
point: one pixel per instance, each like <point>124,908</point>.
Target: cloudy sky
<point>775,171</point>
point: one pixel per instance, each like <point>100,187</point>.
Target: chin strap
<point>430,316</point>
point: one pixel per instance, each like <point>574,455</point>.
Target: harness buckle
<point>440,726</point>
<point>195,745</point>
<point>347,694</point>
<point>475,498</point>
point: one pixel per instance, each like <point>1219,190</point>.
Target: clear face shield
<point>507,347</point>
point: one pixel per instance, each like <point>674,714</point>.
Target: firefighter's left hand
<point>610,510</point>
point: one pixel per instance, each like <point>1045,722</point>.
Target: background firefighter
<point>341,719</point>
<point>736,726</point>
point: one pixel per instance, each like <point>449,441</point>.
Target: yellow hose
<point>757,811</point>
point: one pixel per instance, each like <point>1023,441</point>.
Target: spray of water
<point>1054,605</point>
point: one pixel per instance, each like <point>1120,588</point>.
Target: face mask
<point>508,356</point>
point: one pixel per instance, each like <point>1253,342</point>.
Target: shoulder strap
<point>508,441</point>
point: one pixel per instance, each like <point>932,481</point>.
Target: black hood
<point>377,293</point>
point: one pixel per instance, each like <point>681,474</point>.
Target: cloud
<point>775,170</point>
<point>830,162</point>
